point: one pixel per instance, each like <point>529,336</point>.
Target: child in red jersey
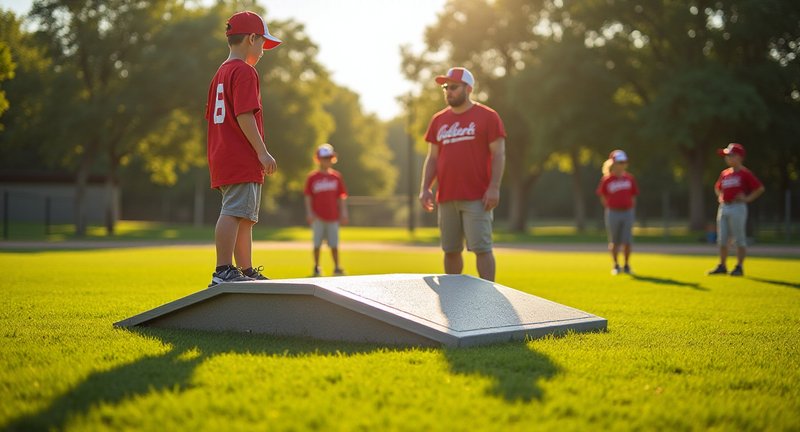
<point>237,156</point>
<point>617,191</point>
<point>326,206</point>
<point>735,187</point>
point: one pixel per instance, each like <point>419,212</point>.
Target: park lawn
<point>543,232</point>
<point>683,351</point>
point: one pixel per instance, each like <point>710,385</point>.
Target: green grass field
<point>683,351</point>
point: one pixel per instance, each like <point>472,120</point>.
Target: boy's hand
<point>344,219</point>
<point>268,162</point>
<point>310,218</point>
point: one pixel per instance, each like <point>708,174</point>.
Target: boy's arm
<point>309,213</point>
<point>247,121</point>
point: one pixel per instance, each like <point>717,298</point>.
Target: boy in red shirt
<point>326,205</point>
<point>735,187</point>
<point>237,156</point>
<point>617,191</point>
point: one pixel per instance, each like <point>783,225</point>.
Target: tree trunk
<point>696,163</point>
<point>577,192</point>
<point>518,202</point>
<point>112,204</point>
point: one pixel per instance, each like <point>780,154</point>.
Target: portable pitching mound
<point>397,309</point>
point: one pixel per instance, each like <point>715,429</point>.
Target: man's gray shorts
<point>731,221</point>
<point>241,200</point>
<point>465,219</point>
<point>619,226</point>
<point>329,231</point>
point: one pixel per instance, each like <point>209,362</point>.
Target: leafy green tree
<point>8,24</point>
<point>696,68</point>
<point>566,96</point>
<point>365,159</point>
<point>493,39</point>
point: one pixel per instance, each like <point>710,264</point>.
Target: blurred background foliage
<point>118,89</point>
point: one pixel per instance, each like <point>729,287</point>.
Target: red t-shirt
<point>733,183</point>
<point>234,90</point>
<point>325,190</point>
<point>618,191</point>
<point>464,163</point>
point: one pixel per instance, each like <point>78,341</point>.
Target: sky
<point>359,41</point>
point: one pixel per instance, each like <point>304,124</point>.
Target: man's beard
<point>457,101</point>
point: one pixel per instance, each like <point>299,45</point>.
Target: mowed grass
<point>683,351</point>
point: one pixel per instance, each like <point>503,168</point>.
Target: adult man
<point>466,157</point>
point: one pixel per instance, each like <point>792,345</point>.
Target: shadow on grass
<point>513,367</point>
<point>795,285</point>
<point>515,370</point>
<point>669,281</point>
<point>170,371</point>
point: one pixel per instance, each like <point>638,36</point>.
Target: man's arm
<point>428,177</point>
<point>247,121</point>
<point>492,195</point>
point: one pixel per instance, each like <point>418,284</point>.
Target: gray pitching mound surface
<point>404,309</point>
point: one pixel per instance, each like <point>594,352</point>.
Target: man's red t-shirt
<point>325,190</point>
<point>234,90</point>
<point>618,191</point>
<point>464,163</point>
<point>733,183</point>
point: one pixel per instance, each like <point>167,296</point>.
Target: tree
<point>8,24</point>
<point>365,159</point>
<point>691,66</point>
<point>566,95</point>
<point>495,54</point>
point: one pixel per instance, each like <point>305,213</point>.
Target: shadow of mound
<point>514,369</point>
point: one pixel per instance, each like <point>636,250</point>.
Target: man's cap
<point>732,148</point>
<point>618,156</point>
<point>250,22</point>
<point>325,151</point>
<point>457,74</point>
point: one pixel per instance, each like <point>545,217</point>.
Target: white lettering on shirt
<point>731,182</point>
<point>454,133</point>
<point>615,186</point>
<point>324,185</point>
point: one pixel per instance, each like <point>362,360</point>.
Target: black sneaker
<point>338,272</point>
<point>626,269</point>
<point>316,272</point>
<point>230,274</point>
<point>255,273</point>
<point>737,271</point>
<point>720,269</point>
<point>616,270</point>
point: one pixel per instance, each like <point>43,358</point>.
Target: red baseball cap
<point>250,22</point>
<point>732,148</point>
<point>457,74</point>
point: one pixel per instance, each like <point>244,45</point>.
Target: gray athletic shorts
<point>619,226</point>
<point>241,200</point>
<point>731,220</point>
<point>329,231</point>
<point>465,219</point>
